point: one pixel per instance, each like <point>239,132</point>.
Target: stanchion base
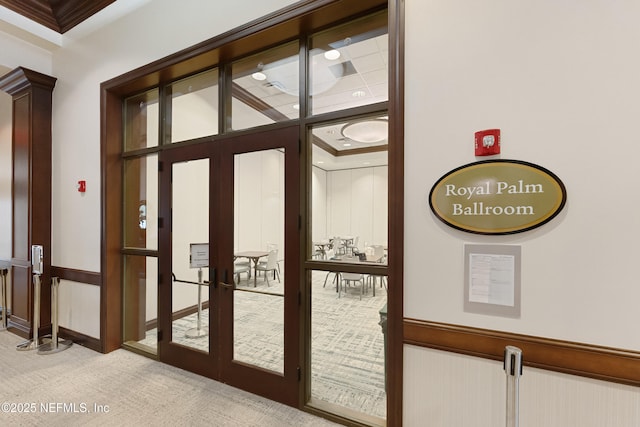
<point>197,333</point>
<point>31,345</point>
<point>50,347</point>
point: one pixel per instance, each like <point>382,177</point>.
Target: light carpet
<point>347,348</point>
<point>80,387</point>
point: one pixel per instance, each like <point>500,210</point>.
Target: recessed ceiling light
<point>366,163</point>
<point>259,76</point>
<point>346,144</point>
<point>359,94</point>
<point>320,162</point>
<point>296,106</point>
<point>332,54</point>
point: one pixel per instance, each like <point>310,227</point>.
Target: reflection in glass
<point>193,109</point>
<point>190,225</point>
<point>265,88</point>
<point>258,259</point>
<point>348,345</point>
<point>349,65</point>
<point>141,202</point>
<point>141,121</point>
<point>349,192</point>
<point>141,302</point>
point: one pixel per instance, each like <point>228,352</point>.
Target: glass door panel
<point>230,212</point>
<point>140,303</point>
<point>259,295</point>
<point>190,250</point>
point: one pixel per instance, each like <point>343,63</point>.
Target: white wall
<point>18,53</point>
<point>558,80</point>
<point>447,389</point>
<point>318,204</point>
<point>356,204</point>
<point>259,201</point>
<point>153,31</point>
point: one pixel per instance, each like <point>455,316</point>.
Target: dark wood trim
<point>79,276</point>
<point>111,220</point>
<point>321,143</point>
<point>586,360</point>
<point>30,193</point>
<point>289,23</point>
<point>243,95</point>
<point>176,315</point>
<point>363,150</point>
<point>395,306</point>
<point>80,339</point>
<point>285,24</point>
<point>59,16</point>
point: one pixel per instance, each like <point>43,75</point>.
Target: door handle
<point>224,281</point>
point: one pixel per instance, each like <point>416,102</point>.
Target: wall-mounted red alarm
<point>487,142</point>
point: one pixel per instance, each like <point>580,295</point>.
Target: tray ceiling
<point>58,15</point>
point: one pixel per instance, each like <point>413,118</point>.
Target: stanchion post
<point>32,344</point>
<point>55,345</point>
<point>3,298</point>
<point>513,370</point>
<point>198,331</point>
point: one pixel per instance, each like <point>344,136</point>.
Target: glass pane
<point>193,109</point>
<point>349,65</point>
<point>141,121</point>
<point>348,342</point>
<point>141,202</point>
<point>265,88</point>
<point>190,254</point>
<point>141,302</point>
<point>349,186</point>
<point>259,259</point>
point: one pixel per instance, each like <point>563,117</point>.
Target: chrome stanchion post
<point>33,343</point>
<point>513,370</point>
<point>3,298</point>
<point>198,331</point>
<point>55,345</point>
<point>37,268</point>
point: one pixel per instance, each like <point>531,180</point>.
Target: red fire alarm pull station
<point>487,142</point>
<point>82,186</point>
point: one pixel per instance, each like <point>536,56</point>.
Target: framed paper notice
<point>492,279</point>
<point>198,255</point>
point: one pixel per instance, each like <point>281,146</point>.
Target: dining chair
<point>352,278</point>
<point>270,265</point>
<point>239,268</point>
<point>274,247</point>
<point>330,255</point>
<point>353,246</point>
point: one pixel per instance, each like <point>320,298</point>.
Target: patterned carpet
<point>81,387</point>
<point>347,341</point>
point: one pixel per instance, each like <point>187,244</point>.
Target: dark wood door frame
<point>219,362</point>
<point>286,24</point>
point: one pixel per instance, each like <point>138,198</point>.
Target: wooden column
<point>31,188</point>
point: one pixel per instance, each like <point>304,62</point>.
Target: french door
<point>229,261</point>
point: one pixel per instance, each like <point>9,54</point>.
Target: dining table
<point>322,247</point>
<point>254,257</point>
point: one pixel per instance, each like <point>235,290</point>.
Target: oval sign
<point>497,197</point>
